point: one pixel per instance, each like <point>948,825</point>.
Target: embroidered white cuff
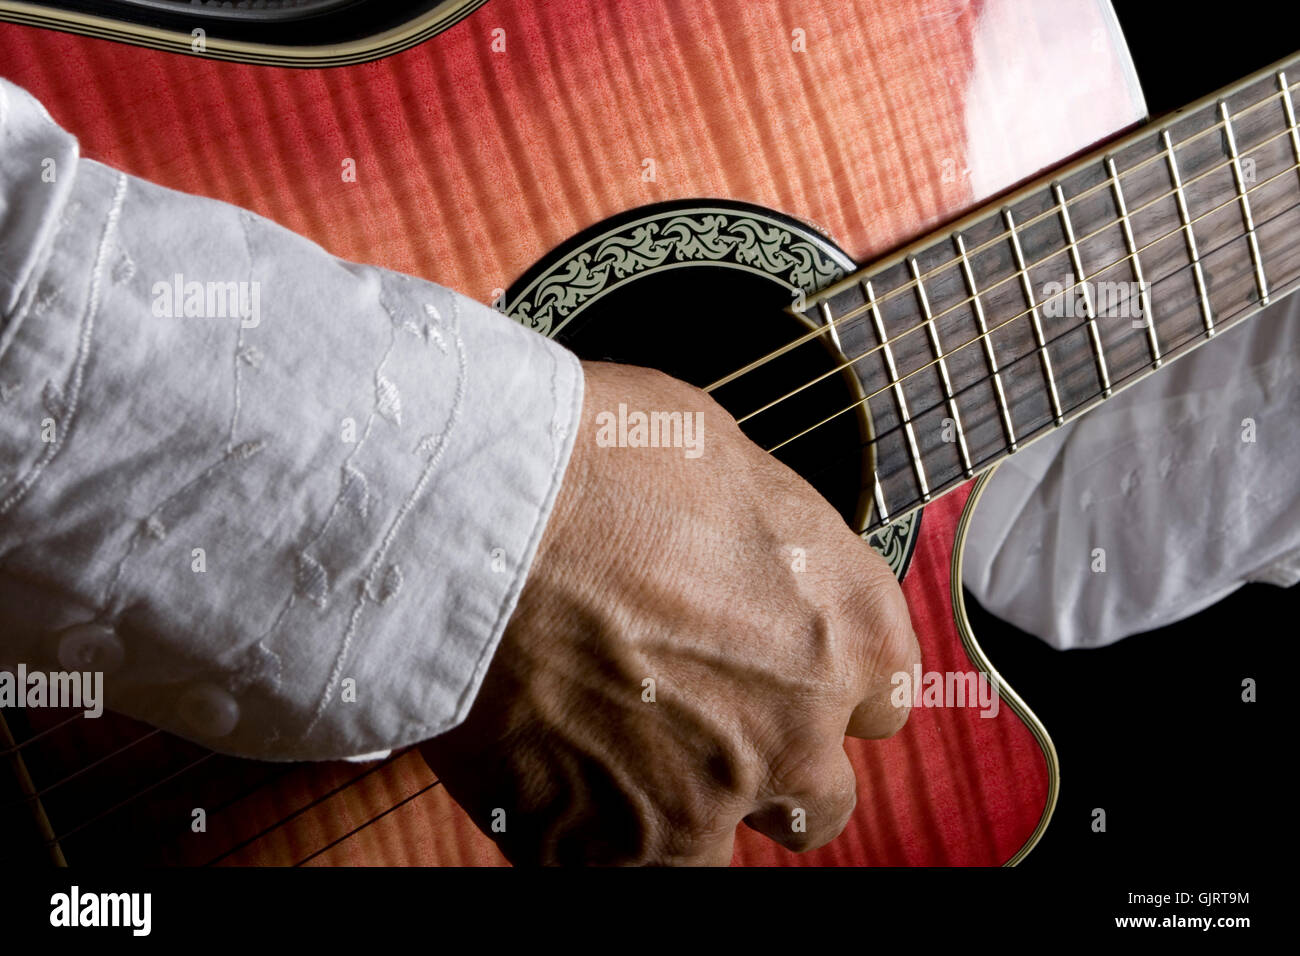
<point>286,503</point>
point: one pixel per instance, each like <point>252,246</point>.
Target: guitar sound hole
<point>701,323</point>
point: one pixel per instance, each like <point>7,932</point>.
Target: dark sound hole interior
<point>700,323</point>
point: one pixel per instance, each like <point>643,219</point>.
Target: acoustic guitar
<point>696,186</point>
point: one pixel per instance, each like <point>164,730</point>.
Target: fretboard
<point>987,335</point>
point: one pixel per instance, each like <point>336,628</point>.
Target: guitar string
<point>335,791</point>
<point>1171,353</point>
<point>1079,407</point>
<point>906,287</point>
<point>1005,235</point>
<point>954,265</point>
<point>60,837</point>
<point>118,752</point>
<point>37,795</point>
<point>355,830</point>
<point>1019,315</point>
<point>1101,186</point>
<point>104,814</point>
<point>1064,251</point>
<point>951,264</point>
<point>1016,274</point>
<point>141,793</point>
<point>329,794</point>
<point>146,790</point>
<point>1146,363</point>
<point>1023,437</point>
<point>18,748</point>
<point>280,771</point>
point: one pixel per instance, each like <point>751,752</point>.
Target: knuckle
<point>697,816</point>
<point>786,822</point>
<point>799,842</point>
<point>691,830</point>
<point>889,644</point>
<point>896,647</point>
<point>793,768</point>
<point>841,797</point>
<point>893,720</point>
<point>810,766</point>
<point>811,820</point>
<point>873,601</point>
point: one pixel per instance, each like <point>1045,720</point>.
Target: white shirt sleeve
<point>285,503</point>
<point>1156,504</point>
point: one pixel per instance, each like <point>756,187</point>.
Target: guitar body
<point>585,165</point>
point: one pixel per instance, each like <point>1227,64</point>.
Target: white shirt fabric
<point>1186,485</point>
<point>296,532</point>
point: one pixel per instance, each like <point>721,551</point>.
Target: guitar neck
<point>987,335</point>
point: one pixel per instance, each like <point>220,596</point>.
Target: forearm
<point>292,529</point>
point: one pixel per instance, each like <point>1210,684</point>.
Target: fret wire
<point>1162,155</point>
<point>1183,215</point>
<point>992,457</point>
<point>1176,350</point>
<point>1289,108</point>
<point>829,318</point>
<point>1081,281</point>
<point>854,312</point>
<point>1129,243</point>
<point>1158,239</point>
<point>1261,282</point>
<point>879,495</point>
<point>989,243</point>
<point>901,399</point>
<point>987,339</point>
<point>1044,358</point>
<point>943,365</point>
